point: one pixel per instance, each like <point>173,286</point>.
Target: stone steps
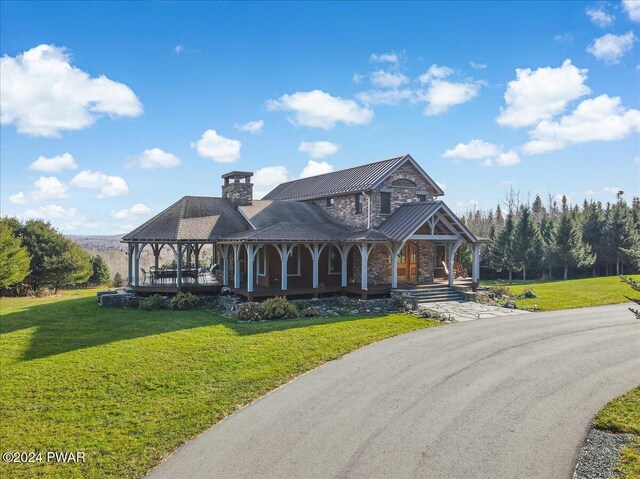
<point>434,294</point>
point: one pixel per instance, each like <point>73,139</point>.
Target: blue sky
<point>134,105</point>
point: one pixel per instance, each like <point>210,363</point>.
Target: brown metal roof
<point>265,213</point>
<point>286,232</point>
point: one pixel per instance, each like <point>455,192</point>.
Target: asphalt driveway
<point>495,398</point>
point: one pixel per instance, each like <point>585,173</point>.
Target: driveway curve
<point>495,398</point>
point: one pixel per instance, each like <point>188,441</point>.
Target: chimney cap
<point>238,174</point>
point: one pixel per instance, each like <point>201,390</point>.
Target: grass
<point>623,415</point>
<point>127,387</point>
<point>573,293</point>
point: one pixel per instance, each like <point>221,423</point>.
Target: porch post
<point>136,273</point>
<point>283,250</point>
<point>344,256</point>
<point>475,268</point>
<point>453,247</point>
<point>179,267</point>
<point>236,265</point>
<point>156,255</point>
<point>224,249</point>
<point>316,250</point>
<point>249,248</point>
<point>130,251</point>
<point>364,255</point>
<point>395,251</point>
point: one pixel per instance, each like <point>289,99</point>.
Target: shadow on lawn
<point>73,324</point>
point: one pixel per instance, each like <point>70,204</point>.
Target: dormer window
<point>331,201</point>
<point>385,203</point>
<point>422,197</point>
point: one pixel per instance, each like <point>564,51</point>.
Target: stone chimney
<point>238,187</point>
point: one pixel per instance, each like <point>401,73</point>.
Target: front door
<point>407,262</point>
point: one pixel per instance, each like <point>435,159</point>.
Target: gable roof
<point>192,218</point>
<point>342,182</point>
<point>265,213</point>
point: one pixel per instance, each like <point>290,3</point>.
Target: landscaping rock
<point>599,454</point>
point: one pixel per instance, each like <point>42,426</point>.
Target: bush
<point>183,301</point>
<point>248,312</point>
<point>500,290</point>
<point>278,308</point>
<point>43,292</point>
<point>310,312</point>
<point>155,301</point>
<point>528,293</point>
<point>118,281</point>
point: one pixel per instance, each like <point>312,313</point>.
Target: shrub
<point>155,301</point>
<point>310,312</point>
<point>528,293</point>
<point>118,280</point>
<point>43,292</point>
<point>248,312</point>
<point>278,308</point>
<point>500,290</point>
<point>183,301</point>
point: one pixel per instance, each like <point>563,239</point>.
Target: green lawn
<point>128,386</point>
<point>623,415</point>
<point>573,293</point>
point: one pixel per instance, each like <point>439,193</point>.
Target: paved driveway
<point>496,398</point>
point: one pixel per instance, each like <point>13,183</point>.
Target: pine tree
<point>547,233</point>
<point>14,258</point>
<point>499,222</point>
<point>100,273</point>
<point>118,280</point>
<point>593,227</point>
<point>569,249</point>
<point>501,252</point>
<point>527,242</point>
<point>621,235</point>
<point>537,208</point>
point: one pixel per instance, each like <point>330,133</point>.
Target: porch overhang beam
<point>434,237</point>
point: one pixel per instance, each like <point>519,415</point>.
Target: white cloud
<point>157,158</point>
<point>254,126</point>
<point>508,158</point>
<point>109,186</point>
<point>632,7</point>
<point>611,48</point>
<point>637,160</point>
<point>478,66</point>
<point>474,150</point>
<point>440,94</point>
<point>56,213</point>
<point>435,72</point>
<point>267,178</point>
<point>318,149</point>
<point>315,168</point>
<point>541,94</point>
<point>357,78</point>
<point>318,109</point>
<point>139,209</point>
<point>217,148</point>
<point>597,119</point>
<point>49,188</point>
<point>386,79</point>
<point>18,199</point>
<point>599,17</point>
<point>384,58</point>
<point>42,94</point>
<point>384,97</point>
<point>565,38</point>
<point>55,163</point>
<point>178,49</point>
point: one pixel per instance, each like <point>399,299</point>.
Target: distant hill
<point>99,242</point>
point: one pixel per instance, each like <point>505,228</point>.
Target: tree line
<point>549,240</point>
<point>34,255</point>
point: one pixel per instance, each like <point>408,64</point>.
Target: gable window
<point>422,197</point>
<point>358,203</point>
<point>293,263</point>
<point>404,183</point>
<point>335,261</point>
<point>330,202</point>
<point>262,262</point>
<point>385,203</point>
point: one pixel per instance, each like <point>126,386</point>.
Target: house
<point>361,230</point>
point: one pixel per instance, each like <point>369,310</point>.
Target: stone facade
<point>426,260</point>
<point>239,193</point>
<point>344,210</point>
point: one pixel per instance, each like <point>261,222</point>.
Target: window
<point>335,261</point>
<point>330,202</point>
<point>403,182</point>
<point>422,197</point>
<point>293,264</point>
<point>385,203</point>
<point>358,203</point>
<point>262,261</point>
<point>439,256</point>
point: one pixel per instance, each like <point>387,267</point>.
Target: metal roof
<point>265,213</point>
<point>286,231</point>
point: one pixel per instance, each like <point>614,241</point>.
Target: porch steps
<point>434,294</point>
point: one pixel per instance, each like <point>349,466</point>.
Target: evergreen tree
<point>547,233</point>
<point>621,234</point>
<point>118,280</point>
<point>537,209</point>
<point>499,222</point>
<point>501,252</point>
<point>14,258</point>
<point>100,273</point>
<point>527,242</point>
<point>71,266</point>
<point>593,227</point>
<point>569,249</point>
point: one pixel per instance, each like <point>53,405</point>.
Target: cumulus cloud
<point>109,186</point>
<point>318,149</point>
<point>478,66</point>
<point>217,148</point>
<point>440,94</point>
<point>139,209</point>
<point>49,188</point>
<point>157,158</point>
<point>318,109</point>
<point>541,94</point>
<point>357,78</point>
<point>385,97</point>
<point>387,79</point>
<point>18,199</point>
<point>43,94</point>
<point>600,17</point>
<point>597,119</point>
<point>493,155</point>
<point>315,168</point>
<point>508,158</point>
<point>67,218</point>
<point>54,164</point>
<point>267,178</point>
<point>632,7</point>
<point>611,48</point>
<point>384,58</point>
<point>254,126</point>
